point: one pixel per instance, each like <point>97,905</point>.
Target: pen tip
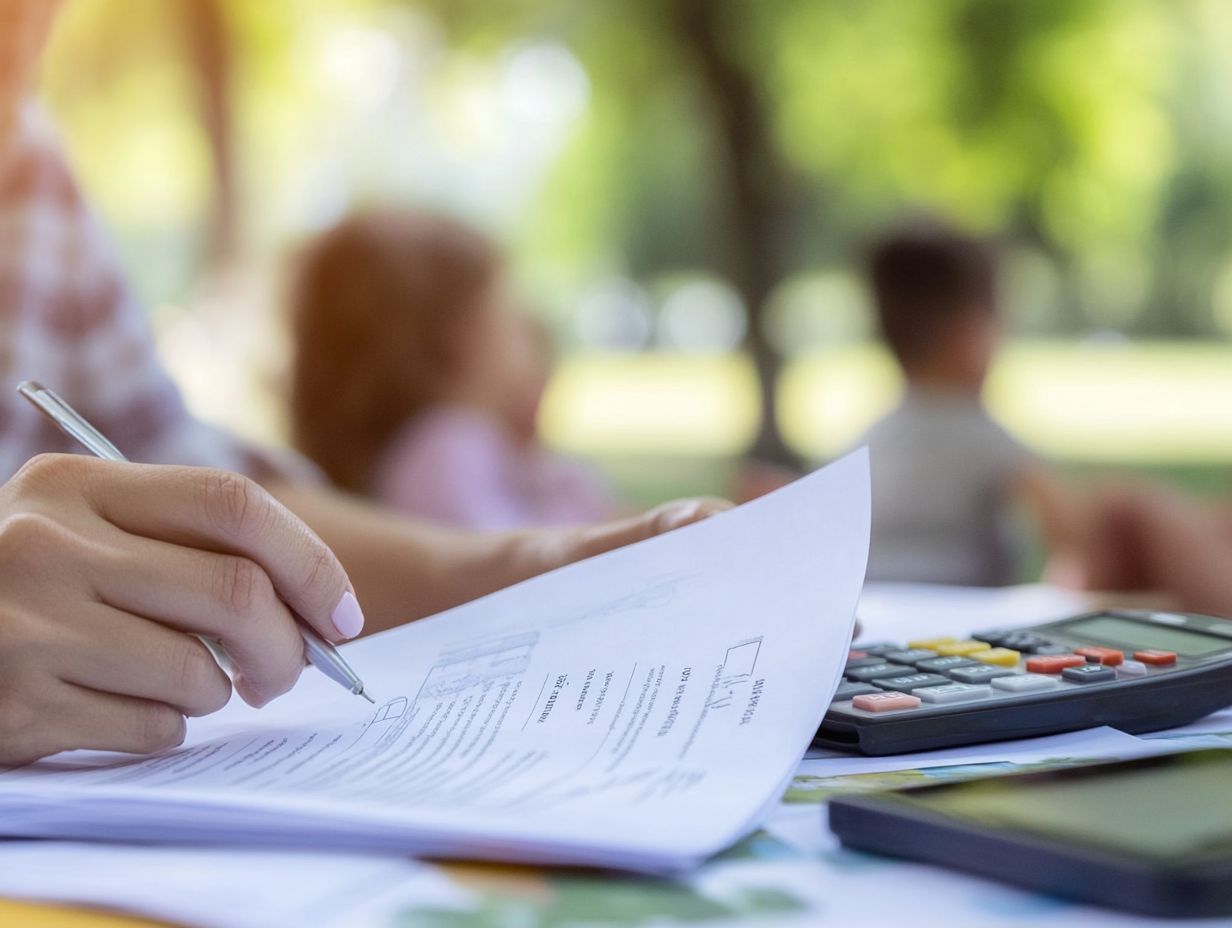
<point>367,697</point>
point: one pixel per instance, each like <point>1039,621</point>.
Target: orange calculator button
<point>1109,657</point>
<point>1158,658</point>
<point>1053,663</point>
<point>883,702</point>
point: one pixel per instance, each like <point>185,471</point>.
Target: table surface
<point>840,869</point>
<point>40,916</point>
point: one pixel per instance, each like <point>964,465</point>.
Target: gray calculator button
<point>910,682</point>
<point>857,662</point>
<point>851,690</point>
<point>1131,669</point>
<point>1024,683</point>
<point>1088,673</point>
<point>952,692</point>
<point>865,674</point>
<point>945,664</point>
<point>979,674</point>
<point>912,656</point>
<point>993,636</point>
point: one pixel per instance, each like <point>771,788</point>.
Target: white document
<point>902,611</point>
<point>638,709</point>
<point>1075,746</point>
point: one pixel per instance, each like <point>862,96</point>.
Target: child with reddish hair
<point>417,379</point>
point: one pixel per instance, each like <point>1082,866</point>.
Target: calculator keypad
<point>944,664</point>
<point>1109,657</point>
<point>1088,673</point>
<point>1025,683</point>
<point>855,663</point>
<point>911,657</point>
<point>1001,657</point>
<point>982,674</point>
<point>996,664</point>
<point>1044,650</point>
<point>851,690</point>
<point>868,674</point>
<point>911,682</point>
<point>1157,658</point>
<point>961,648</point>
<point>953,692</point>
<point>1054,663</point>
<point>885,702</point>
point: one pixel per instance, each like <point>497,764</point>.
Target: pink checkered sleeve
<point>69,320</point>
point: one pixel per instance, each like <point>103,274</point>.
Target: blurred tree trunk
<point>753,183</point>
<point>208,40</point>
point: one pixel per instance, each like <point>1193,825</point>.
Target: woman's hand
<point>541,550</point>
<point>109,571</point>
<point>1150,537</point>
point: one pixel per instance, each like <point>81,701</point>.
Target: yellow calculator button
<point>931,644</point>
<point>961,648</point>
<point>1002,657</point>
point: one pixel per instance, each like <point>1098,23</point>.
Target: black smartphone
<point>1150,836</point>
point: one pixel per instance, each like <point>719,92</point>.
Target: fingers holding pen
<point>223,512</point>
<point>223,597</point>
<point>109,571</point>
<point>69,717</point>
<point>176,669</point>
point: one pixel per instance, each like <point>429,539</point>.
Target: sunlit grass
<point>1141,403</point>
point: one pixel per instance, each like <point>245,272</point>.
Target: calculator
<point>1133,670</point>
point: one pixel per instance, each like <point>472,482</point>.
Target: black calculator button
<point>1024,641</point>
<point>1047,649</point>
<point>978,674</point>
<point>851,690</point>
<point>911,657</point>
<point>865,674</point>
<point>945,664</point>
<point>994,637</point>
<point>1088,673</point>
<point>857,662</point>
<point>911,682</point>
<point>1021,638</point>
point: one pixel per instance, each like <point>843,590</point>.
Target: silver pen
<point>321,654</point>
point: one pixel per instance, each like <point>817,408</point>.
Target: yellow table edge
<point>34,915</point>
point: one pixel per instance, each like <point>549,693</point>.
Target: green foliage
<point>1095,134</point>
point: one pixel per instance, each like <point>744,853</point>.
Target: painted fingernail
<point>348,617</point>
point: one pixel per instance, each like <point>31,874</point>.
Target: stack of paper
<point>638,710</point>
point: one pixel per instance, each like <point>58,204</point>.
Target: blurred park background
<point>685,187</point>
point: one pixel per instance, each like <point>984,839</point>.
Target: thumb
<point>682,512</point>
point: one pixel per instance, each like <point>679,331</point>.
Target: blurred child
<point>417,380</point>
<point>945,475</point>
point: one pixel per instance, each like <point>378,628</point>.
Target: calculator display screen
<point>1169,808</point>
<point>1128,633</point>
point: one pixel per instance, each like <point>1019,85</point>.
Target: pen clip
<point>69,420</point>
